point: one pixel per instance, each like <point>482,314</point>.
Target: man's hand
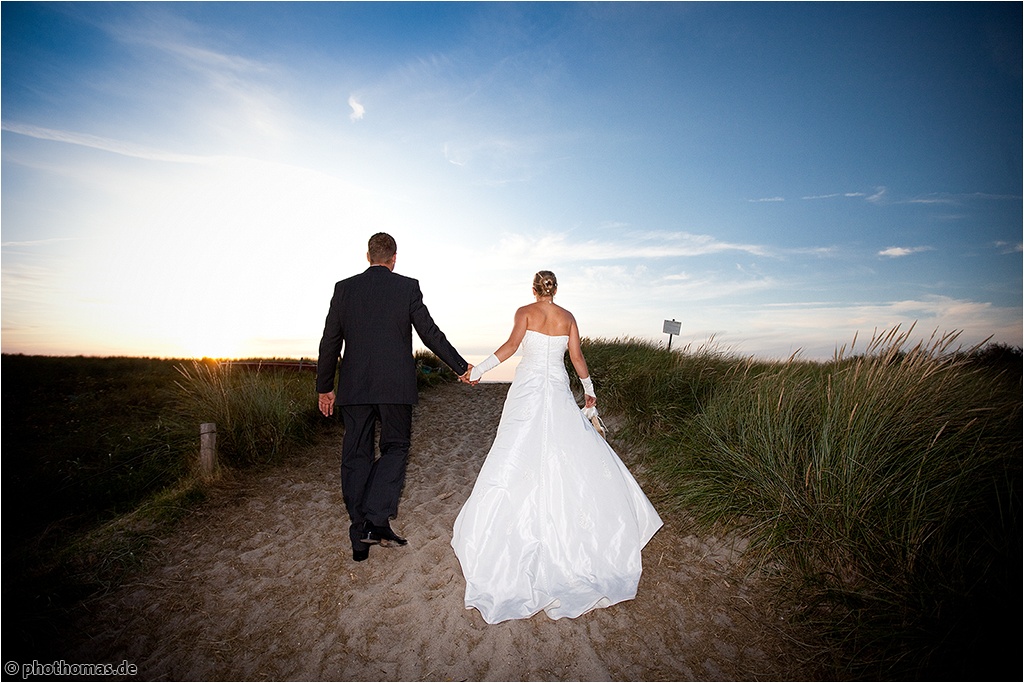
<point>326,404</point>
<point>464,377</point>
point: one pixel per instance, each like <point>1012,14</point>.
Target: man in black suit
<point>373,314</point>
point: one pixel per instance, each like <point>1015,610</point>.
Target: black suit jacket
<point>372,314</point>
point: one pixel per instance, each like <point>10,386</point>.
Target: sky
<point>191,179</point>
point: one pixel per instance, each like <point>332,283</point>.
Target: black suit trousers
<point>372,486</point>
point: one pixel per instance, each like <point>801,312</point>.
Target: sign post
<point>671,327</point>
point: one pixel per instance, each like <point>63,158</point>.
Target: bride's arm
<point>580,364</point>
<point>505,351</point>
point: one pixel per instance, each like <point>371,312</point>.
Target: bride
<point>555,521</point>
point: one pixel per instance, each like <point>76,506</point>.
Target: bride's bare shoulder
<point>565,314</point>
<point>526,311</point>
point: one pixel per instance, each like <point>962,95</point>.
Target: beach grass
<point>882,488</point>
<point>259,411</point>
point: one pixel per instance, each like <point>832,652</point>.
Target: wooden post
<point>208,450</point>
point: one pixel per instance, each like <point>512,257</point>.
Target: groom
<point>373,314</point>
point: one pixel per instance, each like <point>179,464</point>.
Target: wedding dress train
<point>555,521</point>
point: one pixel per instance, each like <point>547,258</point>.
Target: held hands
<point>326,401</point>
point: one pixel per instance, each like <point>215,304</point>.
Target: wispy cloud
<point>210,61</point>
<point>932,200</point>
<point>881,193</point>
<point>1009,247</point>
<point>814,251</point>
<point>34,243</point>
<point>153,28</point>
<point>848,195</point>
<point>121,147</point>
<point>650,245</point>
<point>495,160</point>
<point>767,199</point>
<point>210,86</point>
<point>897,252</point>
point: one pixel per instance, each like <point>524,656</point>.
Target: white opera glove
<point>588,386</point>
<point>486,364</point>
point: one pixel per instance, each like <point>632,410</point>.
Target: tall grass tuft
<point>656,389</point>
<point>886,485</point>
<point>257,412</point>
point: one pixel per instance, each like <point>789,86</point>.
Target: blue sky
<point>190,179</point>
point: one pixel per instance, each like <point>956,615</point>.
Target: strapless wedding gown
<point>555,521</point>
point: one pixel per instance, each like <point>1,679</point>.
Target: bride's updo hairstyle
<point>545,283</point>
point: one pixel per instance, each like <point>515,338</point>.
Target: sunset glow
<point>190,179</point>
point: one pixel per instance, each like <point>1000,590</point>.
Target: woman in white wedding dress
<point>555,521</point>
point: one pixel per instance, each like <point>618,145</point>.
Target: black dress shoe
<point>383,535</point>
<point>360,554</point>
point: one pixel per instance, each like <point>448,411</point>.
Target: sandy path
<point>260,584</point>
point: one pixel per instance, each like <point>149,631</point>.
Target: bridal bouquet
<point>595,419</point>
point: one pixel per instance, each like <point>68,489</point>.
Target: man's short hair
<point>381,248</point>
